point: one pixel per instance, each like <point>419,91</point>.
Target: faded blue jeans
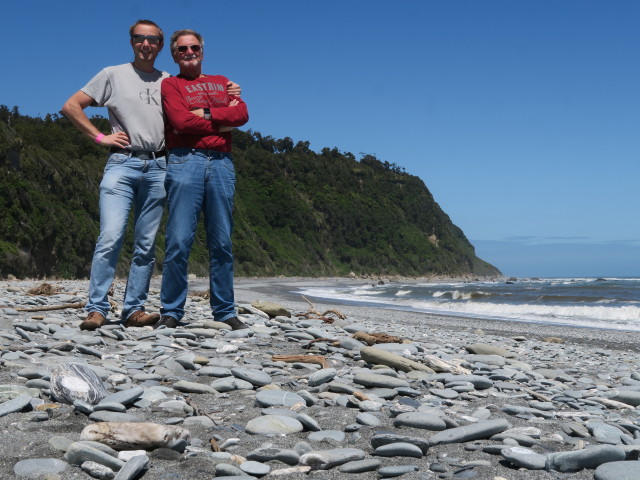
<point>128,182</point>
<point>199,181</point>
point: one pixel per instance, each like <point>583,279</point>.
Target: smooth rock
<point>475,431</point>
<point>74,381</point>
<point>132,468</point>
<point>325,459</point>
<point>524,458</point>
<point>359,466</point>
<point>421,420</point>
<point>273,425</point>
<point>96,470</point>
<point>278,398</point>
<point>79,452</point>
<point>15,405</point>
<point>39,467</point>
<point>629,470</point>
<point>590,457</point>
<point>399,449</point>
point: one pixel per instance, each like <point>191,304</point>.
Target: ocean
<point>608,303</point>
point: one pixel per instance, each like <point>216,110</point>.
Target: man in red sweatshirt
<point>200,177</point>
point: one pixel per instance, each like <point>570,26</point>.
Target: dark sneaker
<point>141,319</point>
<point>236,324</point>
<point>166,321</point>
<point>94,320</point>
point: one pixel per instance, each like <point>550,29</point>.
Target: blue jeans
<point>199,181</point>
<point>127,182</point>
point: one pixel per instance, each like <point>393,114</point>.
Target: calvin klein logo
<point>149,96</point>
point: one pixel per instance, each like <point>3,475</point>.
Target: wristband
<point>207,113</point>
<point>99,138</point>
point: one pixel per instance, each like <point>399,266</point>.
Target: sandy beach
<point>538,391</point>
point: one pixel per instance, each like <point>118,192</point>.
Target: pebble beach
<point>311,390</point>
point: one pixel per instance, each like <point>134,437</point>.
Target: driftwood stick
<point>337,313</point>
<point>306,300</point>
<point>439,365</point>
<point>317,359</point>
<point>51,307</point>
<point>332,341</point>
<point>373,338</point>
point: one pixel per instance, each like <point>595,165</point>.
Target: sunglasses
<point>152,39</point>
<point>184,48</point>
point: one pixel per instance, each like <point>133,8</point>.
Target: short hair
<point>146,22</point>
<point>181,33</point>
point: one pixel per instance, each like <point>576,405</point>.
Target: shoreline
<point>279,290</point>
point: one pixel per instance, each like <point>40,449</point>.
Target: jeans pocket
<point>228,164</point>
<point>117,159</point>
<point>177,159</point>
<point>162,163</point>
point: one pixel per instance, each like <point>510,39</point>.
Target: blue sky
<point>522,117</point>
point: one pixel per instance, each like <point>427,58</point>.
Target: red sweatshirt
<point>183,128</point>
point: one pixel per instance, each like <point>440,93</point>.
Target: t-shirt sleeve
<point>99,88</point>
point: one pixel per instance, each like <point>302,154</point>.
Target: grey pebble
<point>273,424</point>
<point>399,449</point>
<point>359,466</point>
<point>524,458</point>
<point>277,398</point>
<point>618,471</point>
<point>254,376</point>
<point>266,454</point>
<point>590,457</point>
<point>132,468</point>
<point>255,468</point>
<point>396,470</point>
<point>476,431</point>
<point>325,459</point>
<point>15,405</point>
<point>39,467</point>
<point>97,470</point>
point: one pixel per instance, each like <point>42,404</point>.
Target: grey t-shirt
<point>132,98</point>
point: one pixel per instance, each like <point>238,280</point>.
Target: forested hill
<point>297,212</point>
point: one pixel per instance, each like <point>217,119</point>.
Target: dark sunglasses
<point>152,39</point>
<point>184,48</point>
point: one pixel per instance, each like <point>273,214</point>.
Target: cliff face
<point>297,212</point>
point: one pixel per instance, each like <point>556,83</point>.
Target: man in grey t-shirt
<point>134,175</point>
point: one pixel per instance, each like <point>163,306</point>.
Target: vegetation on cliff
<point>297,212</point>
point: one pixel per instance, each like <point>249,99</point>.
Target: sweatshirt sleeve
<point>231,116</point>
<point>177,112</point>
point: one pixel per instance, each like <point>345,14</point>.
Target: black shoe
<point>166,321</point>
<point>235,324</point>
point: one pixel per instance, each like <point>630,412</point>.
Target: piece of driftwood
<point>197,411</point>
<point>331,341</point>
<point>377,356</point>
<point>440,366</point>
<point>317,359</point>
<point>337,313</point>
<point>45,308</point>
<point>360,396</point>
<point>214,445</point>
<point>373,338</point>
<point>537,396</point>
<point>322,316</point>
<point>613,404</point>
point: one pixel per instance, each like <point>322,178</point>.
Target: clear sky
<point>521,116</point>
